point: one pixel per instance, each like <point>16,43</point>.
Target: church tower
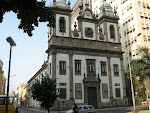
<point>63,18</point>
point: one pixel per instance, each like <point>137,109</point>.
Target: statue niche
<point>101,36</point>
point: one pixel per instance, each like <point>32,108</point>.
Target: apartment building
<point>22,95</point>
<point>2,79</point>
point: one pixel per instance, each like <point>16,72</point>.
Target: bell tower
<point>62,13</point>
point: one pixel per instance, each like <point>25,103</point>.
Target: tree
<point>45,92</point>
<point>29,12</point>
<point>141,67</point>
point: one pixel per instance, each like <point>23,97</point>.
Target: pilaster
<point>105,30</point>
<point>123,77</point>
<point>71,75</point>
<point>110,78</point>
<point>53,65</point>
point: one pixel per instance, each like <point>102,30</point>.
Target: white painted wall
<point>116,79</point>
<point>66,34</point>
<point>78,78</point>
<point>116,32</point>
<point>63,78</point>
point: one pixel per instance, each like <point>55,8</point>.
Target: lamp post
<point>12,43</point>
<point>132,90</point>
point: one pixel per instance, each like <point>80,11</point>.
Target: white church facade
<point>87,61</point>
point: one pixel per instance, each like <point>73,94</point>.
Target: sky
<point>29,53</point>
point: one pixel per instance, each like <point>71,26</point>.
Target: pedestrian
<point>149,102</point>
<point>16,110</point>
<point>75,108</point>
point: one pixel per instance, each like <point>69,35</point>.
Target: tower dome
<point>62,1</point>
<point>106,10</point>
<point>61,4</point>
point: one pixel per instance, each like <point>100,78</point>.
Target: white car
<point>83,109</point>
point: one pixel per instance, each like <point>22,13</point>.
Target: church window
<point>117,90</point>
<point>77,67</point>
<point>62,67</point>
<point>62,24</point>
<point>112,32</point>
<point>90,67</point>
<point>116,70</point>
<point>103,69</point>
<point>62,93</point>
<point>78,90</point>
<point>105,90</point>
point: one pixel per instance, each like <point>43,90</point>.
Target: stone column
<point>110,78</point>
<point>123,77</point>
<point>105,30</point>
<point>53,64</point>
<point>71,75</point>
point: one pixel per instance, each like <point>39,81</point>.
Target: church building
<point>87,61</point>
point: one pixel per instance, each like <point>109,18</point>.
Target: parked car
<point>83,109</point>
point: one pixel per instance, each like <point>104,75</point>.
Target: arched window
<point>62,24</point>
<point>112,32</point>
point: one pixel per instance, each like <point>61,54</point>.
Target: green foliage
<point>45,92</point>
<point>141,67</point>
<point>30,13</point>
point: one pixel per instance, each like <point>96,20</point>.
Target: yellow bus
<point>11,106</point>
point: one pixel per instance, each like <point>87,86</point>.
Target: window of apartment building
<point>62,67</point>
<point>122,12</point>
<point>90,67</point>
<point>103,69</point>
<point>77,67</point>
<point>78,90</point>
<point>62,93</point>
<point>62,24</point>
<point>148,6</point>
<point>139,3</point>
<point>118,93</point>
<point>144,38</point>
<point>148,38</point>
<point>133,28</point>
<point>105,90</point>
<point>144,5</point>
<point>116,70</point>
<point>112,32</point>
<point>127,31</point>
<point>130,6</point>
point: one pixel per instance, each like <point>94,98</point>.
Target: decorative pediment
<point>88,14</point>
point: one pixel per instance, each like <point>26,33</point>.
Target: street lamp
<point>12,43</point>
<point>132,90</point>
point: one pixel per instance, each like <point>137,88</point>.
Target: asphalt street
<point>139,109</point>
